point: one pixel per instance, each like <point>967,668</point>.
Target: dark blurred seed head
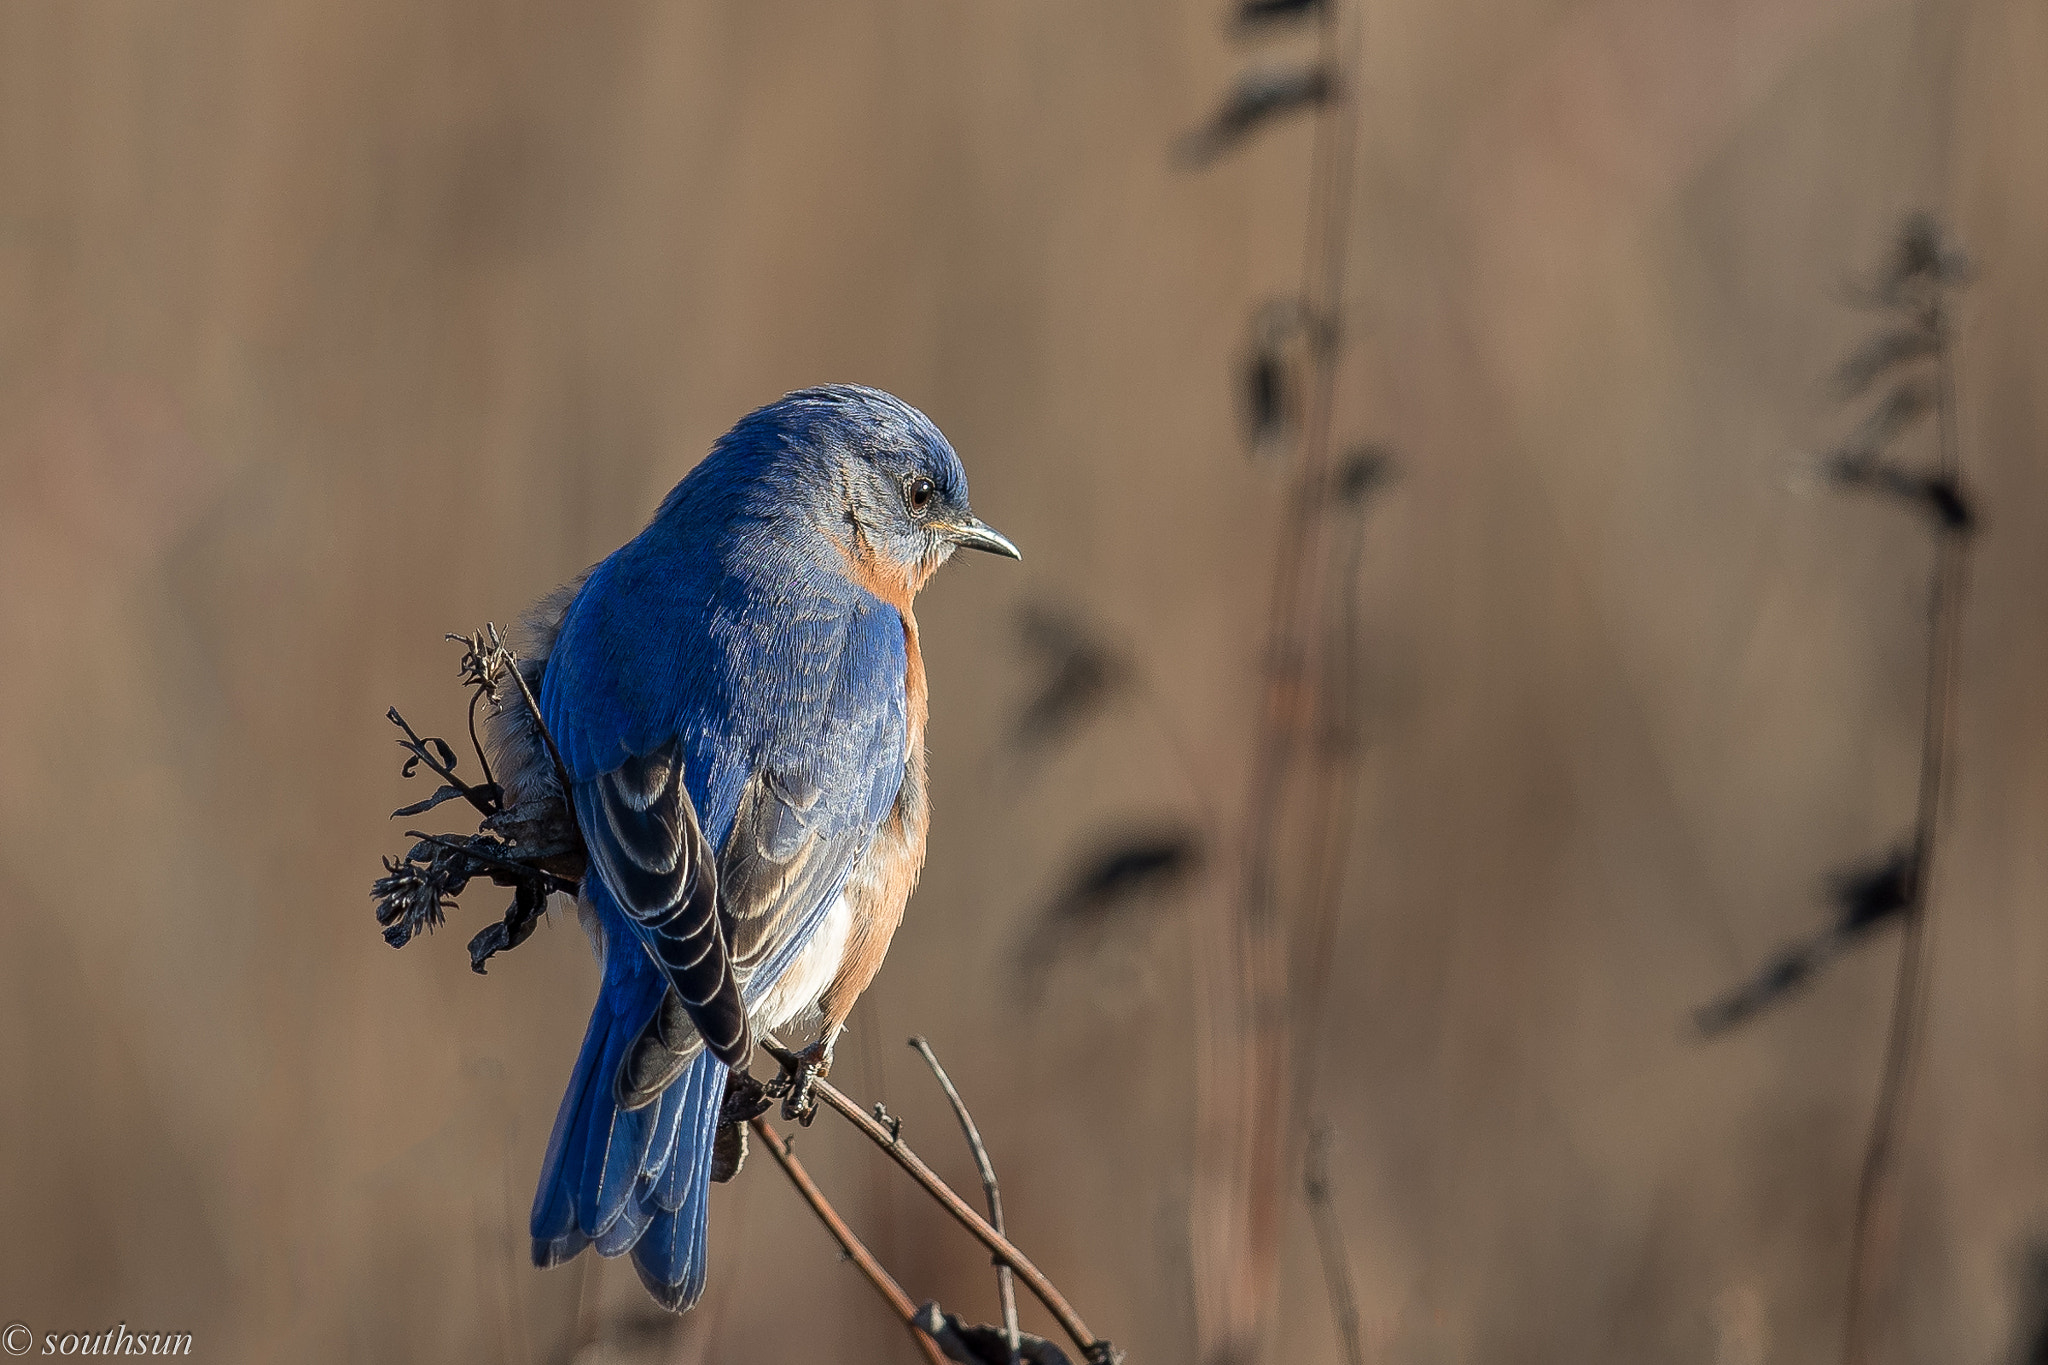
<point>1122,877</point>
<point>1363,471</point>
<point>1950,507</point>
<point>1922,264</point>
<point>1923,251</point>
<point>1871,894</point>
<point>1079,675</point>
<point>1260,97</point>
<point>1269,401</point>
<point>1270,389</point>
<point>1127,869</point>
<point>1253,14</point>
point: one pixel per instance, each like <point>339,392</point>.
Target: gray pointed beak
<point>975,534</point>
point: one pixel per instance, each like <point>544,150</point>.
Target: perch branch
<point>1094,1349</point>
<point>1006,1288</point>
<point>863,1259</point>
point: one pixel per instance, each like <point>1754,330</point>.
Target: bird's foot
<point>745,1098</point>
<point>799,1071</point>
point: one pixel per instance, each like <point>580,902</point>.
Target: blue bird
<point>739,704</point>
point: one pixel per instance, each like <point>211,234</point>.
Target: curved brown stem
<point>884,1283</point>
<point>1094,1348</point>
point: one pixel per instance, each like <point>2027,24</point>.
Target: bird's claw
<point>745,1098</point>
<point>795,1085</point>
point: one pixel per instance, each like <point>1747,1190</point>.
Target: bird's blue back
<point>717,626</point>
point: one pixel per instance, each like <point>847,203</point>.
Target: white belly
<point>795,996</point>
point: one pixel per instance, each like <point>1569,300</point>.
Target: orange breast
<point>881,884</point>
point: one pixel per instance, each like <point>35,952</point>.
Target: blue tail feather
<point>671,1255</point>
<point>667,1122</point>
<point>636,1180</point>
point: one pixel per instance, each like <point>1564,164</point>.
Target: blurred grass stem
<point>1244,1079</point>
<point>1876,1186</point>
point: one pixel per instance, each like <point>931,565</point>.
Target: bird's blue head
<point>863,470</point>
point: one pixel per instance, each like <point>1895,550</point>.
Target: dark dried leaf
<point>446,793</point>
<point>1261,97</point>
<point>528,907</point>
<point>534,847</point>
<point>414,894</point>
<point>435,753</point>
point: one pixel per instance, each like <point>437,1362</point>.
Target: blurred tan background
<point>326,328</point>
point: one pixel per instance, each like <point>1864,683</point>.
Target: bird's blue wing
<point>649,850</point>
<point>693,713</point>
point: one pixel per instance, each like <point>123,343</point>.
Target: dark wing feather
<point>778,869</point>
<point>649,850</point>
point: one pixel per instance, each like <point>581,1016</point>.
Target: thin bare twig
<point>863,1259</point>
<point>1909,998</point>
<point>1315,1185</point>
<point>1339,775</point>
<point>1094,1349</point>
<point>1006,1288</point>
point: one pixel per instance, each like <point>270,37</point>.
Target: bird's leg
<point>802,1068</point>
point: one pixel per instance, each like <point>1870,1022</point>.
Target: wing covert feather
<point>650,851</point>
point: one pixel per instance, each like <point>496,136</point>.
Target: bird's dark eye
<point>919,495</point>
